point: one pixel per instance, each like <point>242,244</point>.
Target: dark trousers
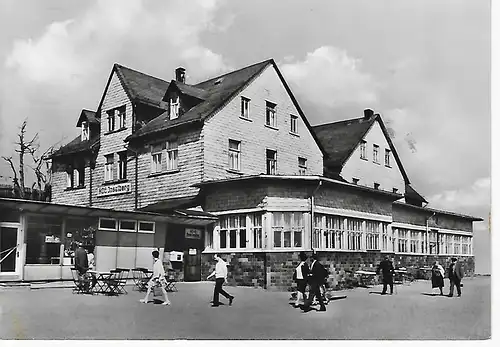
<point>218,290</point>
<point>455,282</point>
<point>314,291</point>
<point>389,282</point>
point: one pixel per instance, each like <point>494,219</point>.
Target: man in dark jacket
<point>455,274</point>
<point>316,278</point>
<point>387,274</point>
<point>82,266</point>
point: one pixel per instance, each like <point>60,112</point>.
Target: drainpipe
<point>312,212</point>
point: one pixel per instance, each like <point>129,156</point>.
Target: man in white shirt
<point>158,279</point>
<point>220,274</point>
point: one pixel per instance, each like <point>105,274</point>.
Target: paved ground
<point>255,314</point>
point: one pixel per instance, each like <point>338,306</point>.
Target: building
<point>238,147</point>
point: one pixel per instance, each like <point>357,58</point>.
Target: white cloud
<point>466,198</point>
<point>330,77</point>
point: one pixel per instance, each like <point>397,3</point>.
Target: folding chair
<point>79,284</point>
<point>171,282</point>
<point>140,277</point>
<point>122,280</point>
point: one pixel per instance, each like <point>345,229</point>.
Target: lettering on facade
<point>121,188</point>
<point>193,233</point>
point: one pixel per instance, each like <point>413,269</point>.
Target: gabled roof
<point>89,116</point>
<point>139,86</point>
<point>340,139</point>
<point>219,91</point>
<point>186,89</point>
<point>76,146</point>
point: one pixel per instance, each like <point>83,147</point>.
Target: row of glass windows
<point>271,115</point>
<point>245,231</point>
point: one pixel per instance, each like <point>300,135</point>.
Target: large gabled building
<point>238,149</point>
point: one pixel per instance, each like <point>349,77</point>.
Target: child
<point>158,279</point>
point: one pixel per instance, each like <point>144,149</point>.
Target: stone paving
<point>57,313</point>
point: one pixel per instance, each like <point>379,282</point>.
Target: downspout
<point>312,212</point>
<point>90,183</point>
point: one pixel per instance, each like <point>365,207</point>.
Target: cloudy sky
<point>424,65</point>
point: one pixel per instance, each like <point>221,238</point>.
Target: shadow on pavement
<point>433,294</point>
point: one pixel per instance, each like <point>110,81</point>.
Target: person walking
<point>300,277</point>
<point>157,280</point>
<point>387,270</point>
<point>220,274</point>
<point>82,266</point>
<point>437,278</point>
<point>455,274</point>
<point>316,278</point>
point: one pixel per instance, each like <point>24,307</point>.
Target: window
<point>414,241</point>
<point>256,220</point>
<point>172,155</point>
<point>122,165</point>
<point>75,178</point>
<point>234,155</point>
<point>402,240</point>
<point>456,244</point>
<point>334,232</point>
<point>362,150</point>
<point>43,242</point>
<point>317,232</point>
<point>385,237</point>
<point>387,157</point>
<point>271,162</point>
<point>111,120</point>
<point>375,154</point>
<point>294,123</point>
<point>156,152</point>
<point>245,108</point>
<point>433,242</point>
<point>449,244</point>
<point>271,114</point>
<point>354,233</point>
<point>107,224</point>
<point>120,115</point>
<point>372,235</point>
<point>127,225</point>
<point>355,180</point>
<point>85,131</point>
<point>209,239</point>
<point>233,231</point>
<point>108,168</point>
<point>147,227</point>
<point>302,166</point>
<point>288,228</point>
<point>376,185</point>
<point>174,106</point>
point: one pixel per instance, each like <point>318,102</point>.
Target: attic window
<point>85,131</point>
<point>218,80</point>
<point>174,107</point>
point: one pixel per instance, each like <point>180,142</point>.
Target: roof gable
<point>340,140</point>
<point>88,116</point>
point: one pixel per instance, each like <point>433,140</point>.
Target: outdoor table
<point>365,277</point>
<point>399,275</point>
<point>104,283</point>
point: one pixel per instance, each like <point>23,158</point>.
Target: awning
<point>188,217</point>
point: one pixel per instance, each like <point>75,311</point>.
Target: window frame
<point>127,230</point>
<point>376,153</point>
<point>245,108</point>
<point>143,231</point>
<point>271,160</point>
<point>234,153</point>
<point>105,228</point>
<point>362,150</point>
<point>172,158</point>
<point>156,151</point>
<point>109,174</point>
<point>292,228</point>
<point>122,165</point>
<point>271,114</point>
<point>294,124</point>
<point>85,131</point>
<point>174,106</point>
<point>387,157</point>
<point>372,235</point>
<point>302,166</point>
<point>121,114</point>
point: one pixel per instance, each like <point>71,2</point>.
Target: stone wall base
<point>274,271</point>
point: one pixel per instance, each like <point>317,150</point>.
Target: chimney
<point>368,113</point>
<point>180,74</point>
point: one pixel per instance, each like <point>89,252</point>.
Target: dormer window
<point>174,106</point>
<point>85,131</point>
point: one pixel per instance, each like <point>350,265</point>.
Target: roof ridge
<point>269,61</point>
<point>137,71</point>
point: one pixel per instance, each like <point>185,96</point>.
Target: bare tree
<point>23,147</point>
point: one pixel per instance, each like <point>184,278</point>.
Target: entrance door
<point>8,249</point>
<point>192,266</point>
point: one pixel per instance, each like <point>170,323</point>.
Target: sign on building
<point>121,188</point>
<point>193,233</point>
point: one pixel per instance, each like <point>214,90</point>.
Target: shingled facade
<point>239,147</point>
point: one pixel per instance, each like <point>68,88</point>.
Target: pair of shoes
<point>231,300</point>
<point>166,303</point>
<point>322,309</point>
<point>383,294</point>
<point>144,301</point>
<point>459,295</point>
<point>215,305</point>
<point>450,295</point>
